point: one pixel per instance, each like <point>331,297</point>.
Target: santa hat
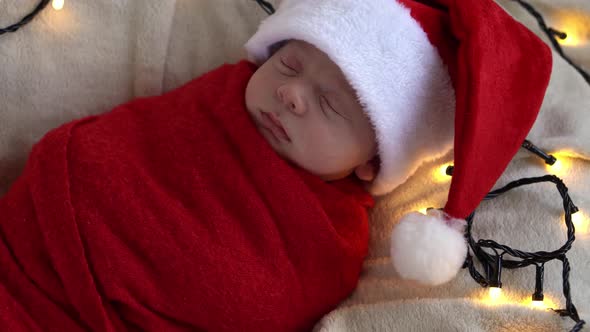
<point>431,75</point>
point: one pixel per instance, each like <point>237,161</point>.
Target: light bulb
<point>57,4</point>
<point>440,174</point>
<point>538,304</point>
<point>557,166</point>
<point>562,165</point>
<point>571,40</point>
<point>581,223</point>
<point>574,23</point>
<point>495,293</point>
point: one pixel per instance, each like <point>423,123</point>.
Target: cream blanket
<point>93,55</point>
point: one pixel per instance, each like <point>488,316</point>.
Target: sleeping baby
<point>311,116</point>
<point>239,201</point>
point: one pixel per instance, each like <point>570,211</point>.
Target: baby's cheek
<point>317,149</point>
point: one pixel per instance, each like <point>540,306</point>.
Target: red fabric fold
<point>172,213</point>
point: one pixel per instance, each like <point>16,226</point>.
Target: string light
<point>58,4</point>
<point>537,298</point>
<point>575,25</point>
<point>495,294</point>
<point>562,164</point>
<point>558,168</point>
<point>549,159</point>
<point>581,222</point>
<point>495,277</point>
<point>538,304</point>
<point>493,264</point>
<point>557,163</point>
<point>442,173</point>
<point>570,39</point>
<point>493,297</point>
<point>500,296</point>
<point>26,19</point>
<point>547,303</point>
<point>551,33</point>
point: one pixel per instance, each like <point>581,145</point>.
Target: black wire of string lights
<point>493,264</point>
<point>14,27</point>
<point>551,33</point>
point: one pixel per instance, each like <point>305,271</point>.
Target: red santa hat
<point>431,75</point>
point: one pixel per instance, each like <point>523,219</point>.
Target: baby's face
<point>307,111</point>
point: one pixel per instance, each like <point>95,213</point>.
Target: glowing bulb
<point>581,222</point>
<point>497,297</point>
<point>557,166</point>
<point>575,26</point>
<point>570,40</point>
<point>561,166</point>
<point>494,297</point>
<point>546,303</point>
<point>440,174</point>
<point>57,4</point>
<point>423,210</point>
<point>495,293</point>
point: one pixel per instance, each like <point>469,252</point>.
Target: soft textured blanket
<point>172,213</point>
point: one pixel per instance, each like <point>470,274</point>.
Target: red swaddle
<point>173,213</point>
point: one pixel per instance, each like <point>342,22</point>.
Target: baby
<point>237,202</point>
<point>308,112</point>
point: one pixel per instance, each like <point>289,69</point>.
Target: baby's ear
<point>366,171</point>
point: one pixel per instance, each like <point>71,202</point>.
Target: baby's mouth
<point>273,124</point>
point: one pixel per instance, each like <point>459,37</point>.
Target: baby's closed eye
<point>292,65</point>
<point>326,106</point>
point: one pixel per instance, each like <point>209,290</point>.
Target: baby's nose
<point>292,96</point>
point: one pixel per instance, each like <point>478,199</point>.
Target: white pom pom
<point>428,248</point>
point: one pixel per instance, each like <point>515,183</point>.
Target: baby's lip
<point>273,124</point>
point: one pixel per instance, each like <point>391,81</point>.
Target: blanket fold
<point>172,213</point>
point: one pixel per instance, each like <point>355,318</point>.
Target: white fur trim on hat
<point>387,58</point>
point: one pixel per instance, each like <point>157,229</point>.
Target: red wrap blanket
<point>173,213</point>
